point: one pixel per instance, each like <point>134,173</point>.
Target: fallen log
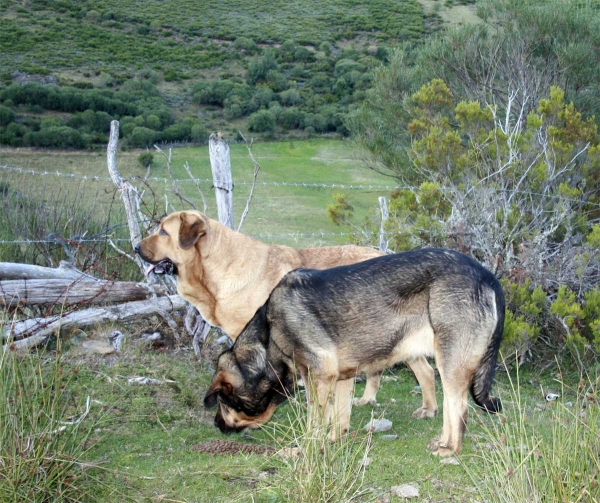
<point>32,332</point>
<point>66,292</point>
<point>11,270</point>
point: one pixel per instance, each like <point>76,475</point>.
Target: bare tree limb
<point>32,332</point>
<point>197,184</point>
<point>256,170</point>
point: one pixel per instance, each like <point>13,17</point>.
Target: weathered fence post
<point>128,193</point>
<point>220,164</point>
<point>385,214</point>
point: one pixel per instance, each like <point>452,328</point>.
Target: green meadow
<point>276,210</point>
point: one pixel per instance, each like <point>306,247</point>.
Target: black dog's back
<point>382,310</point>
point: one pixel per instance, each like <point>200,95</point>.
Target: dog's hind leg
<point>456,373</point>
<point>342,408</point>
<point>426,378</point>
<point>370,394</point>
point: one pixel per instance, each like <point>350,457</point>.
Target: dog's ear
<point>219,385</point>
<point>254,358</point>
<point>191,228</point>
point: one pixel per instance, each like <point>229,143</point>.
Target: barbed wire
<point>308,185</point>
<point>212,181</point>
<point>60,241</point>
<point>75,241</point>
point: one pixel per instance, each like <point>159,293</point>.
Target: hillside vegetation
<point>171,71</point>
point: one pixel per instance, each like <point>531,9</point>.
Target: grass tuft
<point>42,448</point>
<point>560,463</point>
<point>313,468</point>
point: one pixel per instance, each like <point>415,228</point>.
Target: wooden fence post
<point>385,214</point>
<point>220,164</point>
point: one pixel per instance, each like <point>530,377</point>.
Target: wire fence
<point>112,232</point>
<point>298,184</point>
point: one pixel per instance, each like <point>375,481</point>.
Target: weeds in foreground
<point>522,465</point>
<point>315,469</point>
<point>42,449</point>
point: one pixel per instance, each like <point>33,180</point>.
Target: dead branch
<point>256,170</point>
<point>385,215</point>
<point>197,184</point>
<point>32,332</point>
<point>79,291</point>
<point>174,187</point>
<point>128,193</point>
<point>12,270</point>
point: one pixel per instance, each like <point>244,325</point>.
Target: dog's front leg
<point>371,388</point>
<point>340,422</point>
<point>319,391</point>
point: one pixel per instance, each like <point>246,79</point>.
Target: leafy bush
<point>261,121</point>
<point>145,159</point>
<point>7,115</point>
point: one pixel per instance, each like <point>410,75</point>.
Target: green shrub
<point>7,116</point>
<point>145,159</point>
<point>261,121</point>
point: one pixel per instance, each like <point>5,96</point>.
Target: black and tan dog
<point>228,276</point>
<point>332,324</point>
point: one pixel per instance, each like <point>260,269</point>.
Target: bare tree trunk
<point>32,332</point>
<point>64,292</point>
<point>220,164</point>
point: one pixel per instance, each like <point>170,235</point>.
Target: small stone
<point>367,461</point>
<point>406,491</point>
<point>143,380</point>
<point>378,425</point>
<point>99,347</point>
<point>388,437</point>
<point>449,461</point>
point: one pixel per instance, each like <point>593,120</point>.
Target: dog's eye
<point>162,232</point>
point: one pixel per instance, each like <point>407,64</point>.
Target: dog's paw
<point>289,452</point>
<point>424,413</point>
<point>358,402</point>
<point>443,451</point>
<point>434,444</point>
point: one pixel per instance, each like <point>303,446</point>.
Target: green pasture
<point>276,210</point>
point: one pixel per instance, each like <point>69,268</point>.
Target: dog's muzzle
<point>161,267</point>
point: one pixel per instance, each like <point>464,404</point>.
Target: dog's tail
<point>481,384</point>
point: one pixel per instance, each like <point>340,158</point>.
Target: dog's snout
<point>137,248</point>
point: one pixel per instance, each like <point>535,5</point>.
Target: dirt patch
<point>231,447</point>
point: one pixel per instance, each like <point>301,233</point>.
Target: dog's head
<point>248,386</point>
<point>174,242</point>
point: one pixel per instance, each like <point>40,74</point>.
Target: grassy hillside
<point>129,35</point>
<point>173,71</point>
